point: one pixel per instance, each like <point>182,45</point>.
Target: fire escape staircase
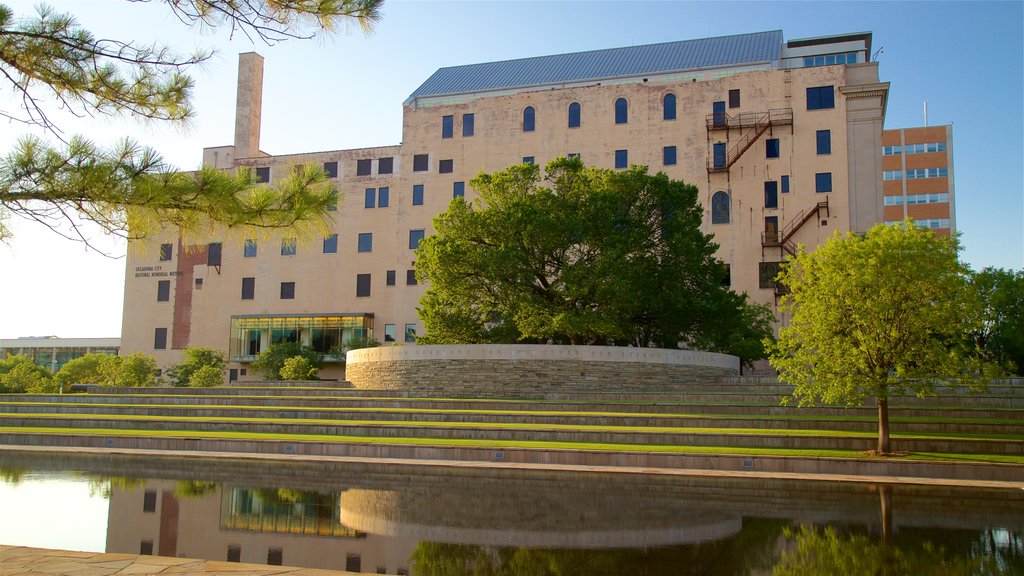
<point>784,239</point>
<point>754,123</point>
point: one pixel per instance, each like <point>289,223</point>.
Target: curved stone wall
<point>532,368</point>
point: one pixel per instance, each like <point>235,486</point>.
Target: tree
<point>19,374</point>
<point>272,360</point>
<point>877,315</point>
<point>206,377</point>
<point>128,190</point>
<point>1002,330</point>
<point>82,370</point>
<point>595,257</point>
<point>298,368</point>
<point>133,371</point>
<point>196,359</point>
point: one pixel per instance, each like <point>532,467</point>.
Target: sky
<point>966,59</point>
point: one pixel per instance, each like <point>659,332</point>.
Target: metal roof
<point>604,64</point>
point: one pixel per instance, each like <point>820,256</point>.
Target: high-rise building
<point>783,139</point>
<point>917,174</point>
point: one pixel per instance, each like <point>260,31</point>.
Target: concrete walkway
<point>18,560</point>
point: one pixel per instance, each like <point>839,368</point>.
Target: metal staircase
<point>783,239</point>
<point>754,123</point>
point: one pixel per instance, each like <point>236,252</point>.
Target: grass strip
<point>520,427</point>
<point>511,444</point>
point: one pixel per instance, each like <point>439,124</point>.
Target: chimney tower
<point>249,105</point>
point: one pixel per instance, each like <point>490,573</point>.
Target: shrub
<point>298,368</point>
<point>271,361</point>
<point>20,374</point>
<point>195,359</point>
<point>206,377</point>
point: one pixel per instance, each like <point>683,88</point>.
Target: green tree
<point>1002,331</point>
<point>877,315</point>
<point>298,368</point>
<point>195,359</point>
<point>19,374</point>
<point>206,377</point>
<point>82,370</point>
<point>271,361</point>
<point>133,371</point>
<point>128,190</point>
<point>594,257</point>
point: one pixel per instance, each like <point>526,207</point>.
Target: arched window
<point>668,106</point>
<point>621,111</point>
<point>528,119</point>
<point>720,208</point>
<point>574,115</point>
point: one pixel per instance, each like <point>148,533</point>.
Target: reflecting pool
<point>427,521</point>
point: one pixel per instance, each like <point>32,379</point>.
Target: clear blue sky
<point>965,58</point>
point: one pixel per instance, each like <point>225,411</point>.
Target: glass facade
<point>325,333</point>
<point>54,358</point>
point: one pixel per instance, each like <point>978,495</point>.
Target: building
<point>52,352</point>
<point>783,139</point>
<point>917,174</point>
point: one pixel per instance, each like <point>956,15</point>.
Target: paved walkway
<point>18,560</point>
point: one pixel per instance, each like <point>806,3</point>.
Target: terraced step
<point>865,423</point>
<point>553,433</point>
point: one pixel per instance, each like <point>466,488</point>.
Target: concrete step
<point>782,422</point>
<point>291,384</point>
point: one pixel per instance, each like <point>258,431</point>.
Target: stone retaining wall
<point>527,368</point>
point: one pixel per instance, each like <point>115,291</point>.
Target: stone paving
<point>18,560</point>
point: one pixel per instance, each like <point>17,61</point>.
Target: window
<point>370,198</point>
<point>831,59</point>
<point>248,288</point>
<point>420,163</point>
<point>263,175</point>
<point>165,252</point>
<point>146,548</point>
<point>927,173</point>
<point>364,167</point>
<point>621,111</point>
<point>410,332</point>
<point>447,126</point>
<point>574,115</point>
<point>383,197</point>
<point>468,127</point>
<point>213,251</point>
<point>574,155</point>
<point>362,285</point>
<point>410,278</point>
<point>821,98</point>
<point>417,194</point>
<point>331,244</point>
<point>287,290</point>
<point>353,563</point>
<point>668,155</point>
<point>528,160</point>
<point>621,158</point>
<point>719,155</point>
<point>892,150</point>
<point>250,249</point>
<point>274,556</point>
<point>415,237</point>
<point>771,194</point>
<point>718,113</point>
<point>149,501</point>
<point>824,139</point>
<point>771,148</point>
<point>458,189</point>
<point>734,98</point>
<point>389,332</point>
<point>445,166</point>
<point>365,242</point>
<point>785,184</point>
<point>771,229</point>
<point>727,279</point>
<point>163,291</point>
<point>390,278</point>
<point>160,339</point>
<point>720,208</point>
<point>914,148</point>
<point>288,247</point>
<point>199,283</point>
<point>234,553</point>
<point>385,165</point>
<point>668,107</point>
<point>766,273</point>
<point>529,117</point>
<point>823,182</point>
<point>892,201</point>
<point>892,175</point>
<point>331,169</point>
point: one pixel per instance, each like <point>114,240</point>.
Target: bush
<point>357,342</point>
<point>272,360</point>
<point>132,371</point>
<point>206,377</point>
<point>298,368</point>
<point>181,374</point>
<point>20,374</point>
<point>81,370</point>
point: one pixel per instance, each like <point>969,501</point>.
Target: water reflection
<point>434,521</point>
